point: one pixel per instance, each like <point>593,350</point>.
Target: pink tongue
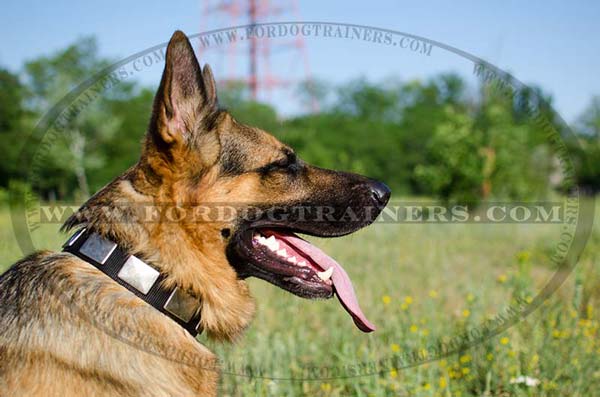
<point>340,279</point>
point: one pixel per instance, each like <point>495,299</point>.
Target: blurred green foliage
<point>439,137</point>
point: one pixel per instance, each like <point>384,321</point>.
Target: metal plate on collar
<point>74,238</point>
<point>97,248</point>
<point>138,274</point>
<point>182,305</point>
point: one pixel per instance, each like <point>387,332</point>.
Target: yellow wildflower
<point>443,382</point>
<point>523,256</point>
<point>325,387</point>
<point>556,333</point>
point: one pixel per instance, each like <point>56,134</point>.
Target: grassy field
<point>419,284</point>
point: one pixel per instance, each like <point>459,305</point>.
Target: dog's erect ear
<point>186,94</point>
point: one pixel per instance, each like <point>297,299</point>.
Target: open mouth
<point>292,263</point>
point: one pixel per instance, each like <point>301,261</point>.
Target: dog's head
<point>198,156</point>
<point>218,161</point>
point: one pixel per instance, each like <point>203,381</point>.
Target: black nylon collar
<point>112,260</point>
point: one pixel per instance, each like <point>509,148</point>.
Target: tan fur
<point>97,350</point>
<point>93,337</point>
<point>68,330</point>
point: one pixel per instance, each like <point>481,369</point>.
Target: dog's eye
<point>288,163</point>
<point>283,163</point>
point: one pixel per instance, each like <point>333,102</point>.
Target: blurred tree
<point>518,159</point>
<point>589,121</point>
<point>453,170</point>
<point>370,101</point>
<point>14,121</point>
<point>586,150</point>
<point>486,151</point>
<point>133,110</point>
<point>74,154</point>
<point>423,110</point>
<point>431,137</point>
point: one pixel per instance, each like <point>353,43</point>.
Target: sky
<point>548,43</point>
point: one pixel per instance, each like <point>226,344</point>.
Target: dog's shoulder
<point>61,317</point>
<point>37,273</point>
<point>30,275</point>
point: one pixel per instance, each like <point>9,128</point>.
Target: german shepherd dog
<point>66,329</point>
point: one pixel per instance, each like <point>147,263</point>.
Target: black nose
<point>381,193</point>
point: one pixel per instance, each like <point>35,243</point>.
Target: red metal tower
<point>259,76</point>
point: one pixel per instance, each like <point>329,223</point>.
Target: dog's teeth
<point>292,259</point>
<point>282,253</point>
<point>302,263</point>
<point>262,240</point>
<point>326,275</point>
<point>272,243</point>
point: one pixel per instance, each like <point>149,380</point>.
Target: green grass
<point>418,283</point>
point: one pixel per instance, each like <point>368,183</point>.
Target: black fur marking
<point>289,164</point>
<point>209,122</point>
<point>232,160</point>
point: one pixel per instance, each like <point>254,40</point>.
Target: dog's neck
<point>194,260</point>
